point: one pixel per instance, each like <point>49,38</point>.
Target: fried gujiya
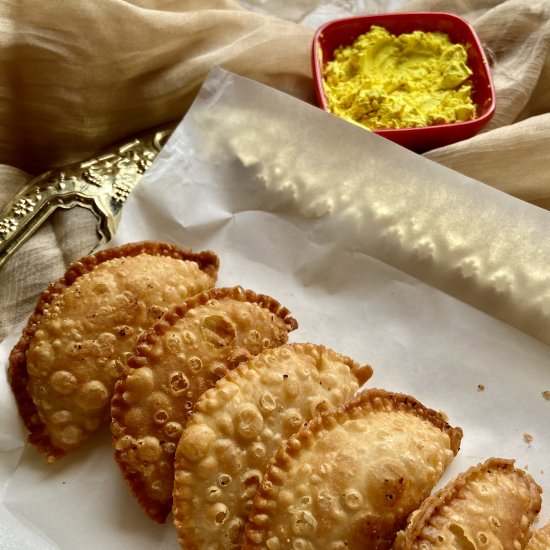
<point>350,478</point>
<point>63,369</point>
<point>239,424</point>
<point>491,505</point>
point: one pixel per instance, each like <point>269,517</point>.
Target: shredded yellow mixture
<point>406,81</point>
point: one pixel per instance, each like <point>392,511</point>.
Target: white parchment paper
<point>438,281</point>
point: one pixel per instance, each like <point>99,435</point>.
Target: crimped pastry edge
<point>366,401</point>
<point>447,493</point>
<point>147,340</point>
<point>18,376</point>
<point>238,373</point>
<point>361,372</point>
<point>153,508</point>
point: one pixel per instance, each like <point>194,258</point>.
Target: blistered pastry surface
<point>238,425</point>
<point>351,477</point>
<point>540,539</point>
<point>174,365</point>
<point>492,505</point>
<point>64,368</point>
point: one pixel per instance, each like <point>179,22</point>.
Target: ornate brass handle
<point>101,184</point>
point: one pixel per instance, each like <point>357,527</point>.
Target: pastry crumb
<point>481,387</point>
<point>546,395</point>
<point>528,438</point>
<point>444,416</point>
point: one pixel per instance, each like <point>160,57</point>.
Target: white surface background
<point>373,249</point>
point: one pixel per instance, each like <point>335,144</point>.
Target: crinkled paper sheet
<point>438,281</point>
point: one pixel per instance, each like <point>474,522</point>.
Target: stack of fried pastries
<point>251,441</point>
<point>240,423</point>
<point>196,344</point>
<point>72,351</point>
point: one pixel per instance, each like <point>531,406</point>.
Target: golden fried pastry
<point>350,478</point>
<point>540,539</point>
<point>239,424</point>
<point>64,367</point>
<point>184,355</point>
<point>491,505</point>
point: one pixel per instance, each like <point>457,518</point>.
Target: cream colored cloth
<point>77,77</point>
<point>513,153</point>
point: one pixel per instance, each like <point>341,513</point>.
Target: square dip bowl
<point>344,32</point>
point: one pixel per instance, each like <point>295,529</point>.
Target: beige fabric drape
<point>76,77</point>
<point>513,153</point>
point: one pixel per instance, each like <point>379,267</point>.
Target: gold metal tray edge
<point>101,184</point>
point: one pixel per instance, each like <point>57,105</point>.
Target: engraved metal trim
<point>101,184</point>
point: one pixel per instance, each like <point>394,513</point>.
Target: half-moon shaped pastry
<point>491,505</point>
<point>183,356</point>
<point>63,369</point>
<point>540,539</point>
<point>350,478</point>
<point>239,424</point>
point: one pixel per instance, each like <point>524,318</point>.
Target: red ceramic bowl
<point>343,32</point>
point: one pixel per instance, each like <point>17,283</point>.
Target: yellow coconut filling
<point>405,81</point>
